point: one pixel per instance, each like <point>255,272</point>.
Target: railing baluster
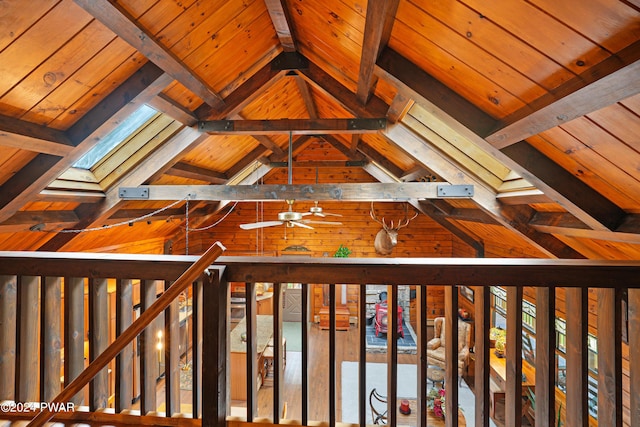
<point>27,349</point>
<point>421,354</point>
<point>332,355</point>
<point>196,368</point>
<point>577,367</point>
<point>8,303</point>
<point>392,354</point>
<point>124,360</point>
<point>545,410</point>
<point>98,340</point>
<point>451,352</point>
<point>609,358</point>
<point>305,352</point>
<point>633,332</point>
<point>513,398</point>
<point>362,356</point>
<point>171,351</point>
<point>278,379</point>
<point>481,349</point>
<point>252,351</point>
<point>148,358</point>
<point>73,332</point>
<point>50,336</point>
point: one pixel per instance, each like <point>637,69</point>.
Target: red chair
<point>382,319</point>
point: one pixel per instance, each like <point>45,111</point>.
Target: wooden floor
<point>347,349</point>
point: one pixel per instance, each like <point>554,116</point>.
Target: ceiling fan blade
<point>299,224</point>
<point>331,214</point>
<point>262,224</point>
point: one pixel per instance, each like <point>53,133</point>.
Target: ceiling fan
<point>291,219</point>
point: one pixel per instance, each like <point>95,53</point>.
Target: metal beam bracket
<point>133,193</point>
<point>460,190</point>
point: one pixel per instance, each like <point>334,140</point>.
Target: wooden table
<point>432,421</point>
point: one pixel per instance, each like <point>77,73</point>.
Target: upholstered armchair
<point>435,346</point>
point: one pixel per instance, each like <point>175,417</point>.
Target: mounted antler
<point>387,238</point>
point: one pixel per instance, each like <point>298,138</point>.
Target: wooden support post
<point>513,398</point>
<point>8,296</point>
<point>545,355</point>
<point>332,354</point>
<point>148,352</point>
<point>482,304</point>
<point>214,373</point>
<point>98,341</point>
<point>27,349</point>
<point>609,358</point>
<point>124,360</point>
<point>171,349</point>
<point>73,333</point>
<point>363,407</point>
<point>306,324</point>
<point>252,351</point>
<point>51,342</point>
<point>577,367</point>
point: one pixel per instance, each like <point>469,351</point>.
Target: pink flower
<point>441,392</point>
<point>437,411</point>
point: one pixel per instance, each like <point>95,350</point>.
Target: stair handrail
<point>100,362</point>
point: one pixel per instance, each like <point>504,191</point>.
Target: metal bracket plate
<point>459,190</point>
<point>133,193</point>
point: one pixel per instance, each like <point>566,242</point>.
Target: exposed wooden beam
<point>17,133</point>
<point>355,140</point>
<point>296,126</point>
<point>68,196</point>
<point>186,170</point>
<point>38,221</point>
<point>349,191</point>
<point>326,84</point>
<point>377,31</point>
<point>612,80</point>
<point>399,107</point>
<point>523,197</point>
<point>460,214</point>
<point>600,213</point>
<point>278,12</point>
<point>27,183</point>
<point>418,84</point>
<point>305,92</point>
<point>169,107</point>
<point>245,94</point>
<point>335,143</point>
<point>567,225</point>
<point>264,140</point>
<point>299,144</point>
<point>153,167</point>
<point>375,156</point>
<point>123,25</point>
<point>484,197</point>
<point>317,164</point>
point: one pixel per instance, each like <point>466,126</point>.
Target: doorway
<point>292,309</point>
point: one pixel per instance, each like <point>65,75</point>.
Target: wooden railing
<point>31,334</point>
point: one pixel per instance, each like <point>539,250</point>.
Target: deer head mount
<point>387,238</point>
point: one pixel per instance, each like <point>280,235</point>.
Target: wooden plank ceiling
<point>544,124</point>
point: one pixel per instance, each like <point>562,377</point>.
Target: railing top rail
<point>442,271</point>
<point>95,265</point>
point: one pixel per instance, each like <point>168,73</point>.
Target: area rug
<point>292,331</point>
<point>407,388</point>
<point>406,344</point>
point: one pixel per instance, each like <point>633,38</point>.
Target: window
<point>115,137</point>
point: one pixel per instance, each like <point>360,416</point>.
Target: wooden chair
<point>378,416</point>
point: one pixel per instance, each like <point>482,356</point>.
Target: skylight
<point>119,134</point>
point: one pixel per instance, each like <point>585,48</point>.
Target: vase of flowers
<point>436,402</point>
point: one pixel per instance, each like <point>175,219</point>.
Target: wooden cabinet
<point>264,304</point>
<point>342,318</point>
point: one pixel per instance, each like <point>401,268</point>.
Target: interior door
<point>292,310</point>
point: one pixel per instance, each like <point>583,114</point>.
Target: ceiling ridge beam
<point>282,23</point>
<point>124,26</point>
<point>295,126</point>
